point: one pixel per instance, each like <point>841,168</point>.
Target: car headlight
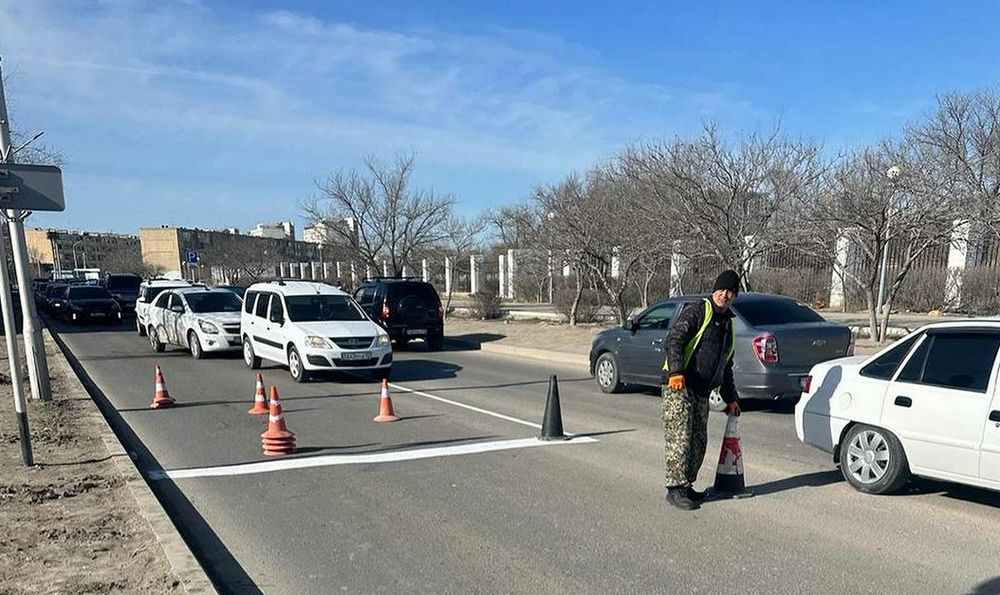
<point>382,340</point>
<point>208,327</point>
<point>317,342</point>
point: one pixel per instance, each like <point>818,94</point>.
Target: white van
<point>311,327</point>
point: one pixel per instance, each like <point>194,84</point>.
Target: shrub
<point>587,311</point>
<point>980,291</point>
<point>923,290</point>
<point>486,306</point>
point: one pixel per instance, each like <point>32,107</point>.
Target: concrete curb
<point>559,357</point>
<point>186,568</point>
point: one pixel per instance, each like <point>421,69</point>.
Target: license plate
<point>416,332</point>
<point>98,314</point>
<point>357,355</point>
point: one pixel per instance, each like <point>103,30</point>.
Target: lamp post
<point>76,264</point>
<point>892,174</point>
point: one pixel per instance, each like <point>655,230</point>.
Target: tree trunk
<point>576,300</point>
<point>872,316</point>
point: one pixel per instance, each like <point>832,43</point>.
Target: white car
<point>148,291</point>
<point>927,405</point>
<point>311,327</point>
<point>203,320</point>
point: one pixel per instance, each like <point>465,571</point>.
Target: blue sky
<point>216,114</point>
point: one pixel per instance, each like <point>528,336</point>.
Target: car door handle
<point>903,401</point>
<point>995,415</point>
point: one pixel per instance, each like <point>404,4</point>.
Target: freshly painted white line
<point>530,424</point>
<point>358,459</point>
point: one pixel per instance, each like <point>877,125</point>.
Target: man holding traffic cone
<point>700,350</point>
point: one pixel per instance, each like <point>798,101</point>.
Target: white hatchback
<point>927,405</point>
<point>311,327</point>
<point>203,320</point>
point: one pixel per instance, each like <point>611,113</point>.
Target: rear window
<point>422,291</point>
<point>775,312</point>
<point>124,283</point>
<point>88,293</point>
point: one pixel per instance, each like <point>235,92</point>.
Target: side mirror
<point>279,320</point>
<point>177,309</point>
<point>631,325</point>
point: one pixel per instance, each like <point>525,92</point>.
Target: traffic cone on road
<point>260,399</point>
<point>277,440</point>
<point>729,480</point>
<point>552,428</point>
<point>386,413</point>
<point>161,397</point>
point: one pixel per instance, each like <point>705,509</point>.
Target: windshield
<point>55,289</point>
<point>320,308</point>
<point>213,301</point>
<point>88,293</point>
<point>124,283</point>
<point>775,312</point>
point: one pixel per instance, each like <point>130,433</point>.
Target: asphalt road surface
<point>457,497</point>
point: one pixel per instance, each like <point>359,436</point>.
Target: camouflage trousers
<point>685,431</point>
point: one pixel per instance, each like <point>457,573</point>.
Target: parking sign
<point>192,257</point>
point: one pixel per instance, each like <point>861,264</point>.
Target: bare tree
<point>462,238</point>
<point>883,197</point>
<point>378,215</point>
<point>961,141</point>
<point>516,226</point>
<point>725,201</point>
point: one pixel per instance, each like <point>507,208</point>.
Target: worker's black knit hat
<point>727,280</point>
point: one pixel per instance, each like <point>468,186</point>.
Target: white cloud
<point>295,89</point>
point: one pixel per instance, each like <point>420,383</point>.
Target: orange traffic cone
<point>161,398</point>
<point>729,480</point>
<point>385,411</point>
<point>277,440</point>
<point>260,399</point>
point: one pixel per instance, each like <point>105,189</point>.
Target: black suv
<point>407,307</point>
<point>124,287</point>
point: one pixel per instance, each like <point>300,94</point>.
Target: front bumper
<point>346,359</point>
<point>220,342</point>
<point>82,315</point>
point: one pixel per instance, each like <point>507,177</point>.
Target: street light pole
<point>892,173</point>
<point>31,332</point>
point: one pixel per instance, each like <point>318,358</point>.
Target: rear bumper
<point>415,332</point>
<point>770,385</point>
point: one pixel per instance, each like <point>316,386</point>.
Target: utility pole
<point>34,346</point>
<point>6,304</point>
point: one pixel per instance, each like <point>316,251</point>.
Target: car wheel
<point>606,373</point>
<point>139,328</point>
<point>295,367</point>
<point>154,340</point>
<point>195,346</point>
<point>249,357</point>
<point>434,342</point>
<point>872,460</point>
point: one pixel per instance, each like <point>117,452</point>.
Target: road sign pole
<point>7,306</point>
<point>34,346</point>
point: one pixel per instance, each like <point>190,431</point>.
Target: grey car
<point>778,341</point>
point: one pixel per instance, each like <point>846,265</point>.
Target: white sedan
<point>927,405</point>
<point>203,320</point>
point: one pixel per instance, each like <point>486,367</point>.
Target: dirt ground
<point>69,524</point>
<point>549,336</point>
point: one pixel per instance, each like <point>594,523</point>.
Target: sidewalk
<point>545,340</point>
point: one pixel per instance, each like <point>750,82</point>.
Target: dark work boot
<point>695,495</point>
<point>678,498</point>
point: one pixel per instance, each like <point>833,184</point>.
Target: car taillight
<point>441,312</point>
<point>807,383</point>
<point>765,347</point>
<point>385,311</point>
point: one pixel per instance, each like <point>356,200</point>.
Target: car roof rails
<point>393,278</point>
<point>283,280</point>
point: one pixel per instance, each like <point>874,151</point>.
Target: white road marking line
<point>358,459</point>
<point>530,424</point>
